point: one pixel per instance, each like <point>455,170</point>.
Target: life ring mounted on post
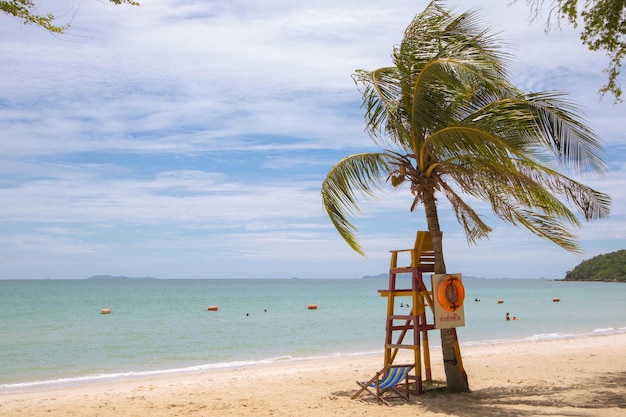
<point>451,293</point>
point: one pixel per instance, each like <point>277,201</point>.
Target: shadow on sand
<point>593,398</point>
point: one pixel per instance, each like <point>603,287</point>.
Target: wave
<point>116,376</point>
<point>606,331</point>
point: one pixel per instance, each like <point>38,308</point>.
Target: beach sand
<point>572,377</point>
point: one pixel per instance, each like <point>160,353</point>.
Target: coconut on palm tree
<point>450,124</point>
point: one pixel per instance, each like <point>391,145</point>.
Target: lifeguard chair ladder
<point>398,323</point>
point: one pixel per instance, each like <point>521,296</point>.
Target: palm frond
<point>564,131</point>
<point>454,144</point>
<point>592,204</point>
<point>549,228</point>
<point>437,33</point>
<point>353,177</point>
<point>383,110</point>
<point>472,223</point>
<point>519,198</point>
<point>528,203</point>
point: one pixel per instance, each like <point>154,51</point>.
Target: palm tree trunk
<point>456,378</point>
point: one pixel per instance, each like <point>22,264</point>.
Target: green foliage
<point>449,123</point>
<point>25,10</point>
<point>607,267</point>
<point>604,29</point>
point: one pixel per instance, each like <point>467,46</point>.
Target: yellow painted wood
<point>421,261</point>
<point>401,346</point>
<point>400,293</point>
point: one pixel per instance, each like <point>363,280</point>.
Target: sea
<point>52,332</point>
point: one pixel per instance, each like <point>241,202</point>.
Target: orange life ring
<point>450,293</point>
<point>312,306</point>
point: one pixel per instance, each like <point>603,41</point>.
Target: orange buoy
<point>312,307</point>
<point>556,300</point>
<point>212,308</point>
<point>500,301</point>
<point>451,293</point>
<point>105,311</point>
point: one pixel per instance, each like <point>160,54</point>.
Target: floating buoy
<point>450,293</point>
<point>500,301</point>
<point>212,308</point>
<point>556,300</point>
<point>105,311</point>
<point>312,307</point>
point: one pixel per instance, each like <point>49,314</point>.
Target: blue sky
<point>189,139</point>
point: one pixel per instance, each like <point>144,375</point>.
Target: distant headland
<point>117,277</point>
<point>379,276</point>
<point>610,267</point>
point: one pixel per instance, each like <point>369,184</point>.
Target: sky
<point>190,138</point>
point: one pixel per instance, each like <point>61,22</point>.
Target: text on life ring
<point>451,293</point>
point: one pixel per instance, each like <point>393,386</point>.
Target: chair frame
<point>380,382</point>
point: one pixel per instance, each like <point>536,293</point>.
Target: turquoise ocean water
<point>52,332</point>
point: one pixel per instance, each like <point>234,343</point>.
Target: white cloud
<point>190,138</point>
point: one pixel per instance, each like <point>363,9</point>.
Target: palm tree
<point>448,122</point>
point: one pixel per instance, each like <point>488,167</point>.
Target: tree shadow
<point>587,398</point>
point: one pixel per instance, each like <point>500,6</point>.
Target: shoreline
<point>115,377</point>
<point>576,377</point>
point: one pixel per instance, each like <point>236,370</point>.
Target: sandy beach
<point>573,377</point>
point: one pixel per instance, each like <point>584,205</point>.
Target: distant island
<point>610,267</point>
<point>379,276</point>
<point>385,275</point>
<point>117,277</point>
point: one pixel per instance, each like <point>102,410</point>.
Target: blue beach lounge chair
<point>389,379</point>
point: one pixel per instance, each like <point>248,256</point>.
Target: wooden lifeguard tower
<point>409,330</point>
